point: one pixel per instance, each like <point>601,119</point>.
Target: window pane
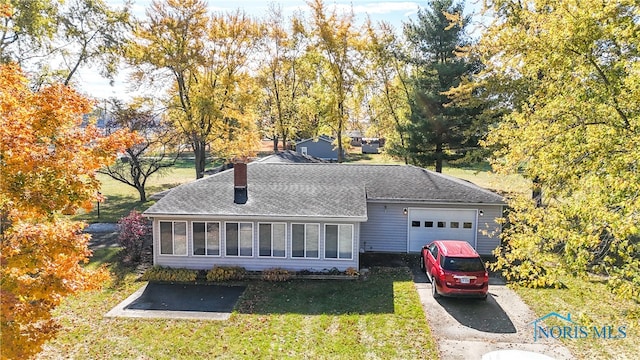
<point>415,223</point>
<point>312,240</point>
<point>232,239</point>
<point>467,225</point>
<point>454,224</point>
<point>428,224</point>
<point>297,240</point>
<point>279,239</point>
<point>213,239</point>
<point>246,239</point>
<point>166,238</point>
<point>264,234</point>
<point>180,238</point>
<point>199,242</point>
<point>331,241</point>
<point>441,224</point>
<point>346,241</point>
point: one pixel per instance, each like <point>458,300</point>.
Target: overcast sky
<point>395,12</point>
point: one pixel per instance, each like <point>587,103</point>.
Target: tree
<point>338,46</point>
<point>206,60</point>
<point>25,27</point>
<point>41,34</point>
<point>437,129</point>
<point>157,150</point>
<point>96,35</point>
<point>283,76</point>
<point>388,105</point>
<point>48,164</point>
<point>573,70</point>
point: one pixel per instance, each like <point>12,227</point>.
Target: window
<point>303,150</point>
<point>239,239</point>
<point>271,240</point>
<point>467,225</point>
<point>463,264</point>
<point>173,237</point>
<point>338,241</point>
<point>441,224</point>
<point>428,224</point>
<point>304,240</point>
<point>415,223</point>
<point>206,238</point>
<point>454,224</point>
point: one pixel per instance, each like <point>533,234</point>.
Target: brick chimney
<point>240,195</point>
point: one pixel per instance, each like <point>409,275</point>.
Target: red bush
<point>133,230</point>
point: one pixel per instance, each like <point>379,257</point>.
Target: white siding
<point>254,263</point>
<point>387,226</point>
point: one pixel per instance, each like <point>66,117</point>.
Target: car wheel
<point>434,291</point>
<point>484,298</point>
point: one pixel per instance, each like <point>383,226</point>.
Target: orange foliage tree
<point>48,160</point>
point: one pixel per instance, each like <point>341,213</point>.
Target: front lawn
<point>590,304</point>
<point>380,317</point>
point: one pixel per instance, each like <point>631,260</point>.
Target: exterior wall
<point>320,149</point>
<point>254,262</point>
<point>386,229</point>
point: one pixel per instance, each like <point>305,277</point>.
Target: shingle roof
<point>318,190</point>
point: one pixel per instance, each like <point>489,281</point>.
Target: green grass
<point>590,303</point>
<point>120,198</point>
<point>380,317</point>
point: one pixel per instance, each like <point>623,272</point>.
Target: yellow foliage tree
<point>47,164</point>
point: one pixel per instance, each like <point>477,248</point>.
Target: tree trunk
<point>200,152</point>
<point>536,193</point>
<point>439,157</point>
<point>275,143</point>
<point>339,132</point>
<point>143,193</point>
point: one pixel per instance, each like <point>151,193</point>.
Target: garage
<point>426,225</point>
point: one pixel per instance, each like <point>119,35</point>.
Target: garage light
<point>404,211</point>
<point>481,213</point>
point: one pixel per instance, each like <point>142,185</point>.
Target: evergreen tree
<point>439,129</point>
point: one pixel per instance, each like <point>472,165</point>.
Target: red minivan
<point>454,269</point>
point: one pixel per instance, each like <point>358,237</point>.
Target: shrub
<point>276,275</point>
<point>159,273</point>
<point>226,273</point>
<point>133,230</point>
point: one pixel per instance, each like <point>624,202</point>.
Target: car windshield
<point>463,264</point>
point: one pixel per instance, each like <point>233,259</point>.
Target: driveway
<point>468,328</point>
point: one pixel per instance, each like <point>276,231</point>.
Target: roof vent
<point>240,194</point>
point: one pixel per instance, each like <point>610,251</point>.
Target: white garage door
<point>426,225</point>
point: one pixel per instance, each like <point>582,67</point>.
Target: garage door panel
<point>426,225</point>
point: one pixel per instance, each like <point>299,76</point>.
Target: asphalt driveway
<point>468,328</point>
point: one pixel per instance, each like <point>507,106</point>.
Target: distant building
<point>321,147</point>
<point>372,145</point>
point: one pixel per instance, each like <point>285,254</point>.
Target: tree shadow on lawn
<point>324,297</point>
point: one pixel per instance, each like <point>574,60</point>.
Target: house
<point>316,216</point>
<point>321,147</point>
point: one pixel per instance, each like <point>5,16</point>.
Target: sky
<point>395,12</point>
